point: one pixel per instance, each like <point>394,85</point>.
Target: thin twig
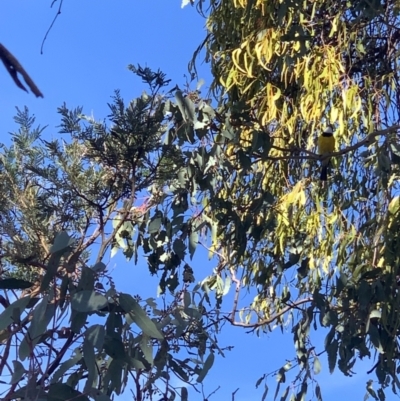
<point>213,392</point>
<point>313,156</point>
<point>272,318</point>
<point>51,25</point>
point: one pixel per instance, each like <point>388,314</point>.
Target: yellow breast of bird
<point>326,144</point>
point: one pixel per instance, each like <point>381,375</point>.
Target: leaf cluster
<point>65,204</point>
<point>319,257</point>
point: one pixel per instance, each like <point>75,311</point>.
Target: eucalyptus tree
<point>318,256</point>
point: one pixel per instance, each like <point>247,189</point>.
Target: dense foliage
<point>286,70</point>
<point>240,179</point>
<point>68,204</point>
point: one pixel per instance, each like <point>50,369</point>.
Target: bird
<point>326,145</point>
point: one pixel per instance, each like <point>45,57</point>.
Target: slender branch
<point>9,395</point>
<point>313,156</point>
<point>213,392</point>
<point>5,355</point>
<point>272,318</point>
<point>57,359</point>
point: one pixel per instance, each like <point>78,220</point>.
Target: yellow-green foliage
<point>294,68</point>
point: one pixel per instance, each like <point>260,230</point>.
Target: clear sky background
<point>85,59</point>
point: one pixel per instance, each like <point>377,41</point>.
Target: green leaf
<point>18,372</point>
<point>293,259</point>
<point>285,394</point>
<point>42,316</point>
<point>301,395</point>
<point>101,397</point>
<point>394,205</point>
<point>16,308</point>
<point>317,365</point>
<point>375,314</point>
<point>187,299</point>
<point>206,367</point>
<point>137,364</point>
<point>375,338</point>
<point>78,320</point>
<point>329,337</point>
<point>331,350</point>
<point>184,394</point>
<point>265,393</point>
<point>139,316</point>
<point>113,377</point>
<point>68,364</point>
<point>330,318</point>
<point>114,347</point>
<point>87,280</point>
<point>277,388</point>
<point>88,301</point>
<point>52,267</point>
<point>95,335</point>
<point>260,380</point>
<point>14,284</point>
<point>161,357</point>
<point>61,242</point>
<point>381,394</point>
<point>37,394</point>
<point>114,322</point>
<point>63,392</point>
<point>172,394</point>
<point>186,107</point>
<point>380,372</point>
<point>318,393</point>
<point>395,152</point>
<point>177,369</point>
<point>147,349</point>
<point>99,267</point>
<point>155,223</point>
<point>179,248</point>
<point>90,362</point>
<point>193,241</point>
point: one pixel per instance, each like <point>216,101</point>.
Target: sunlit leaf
<point>193,240</point>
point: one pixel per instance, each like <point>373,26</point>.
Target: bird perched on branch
<point>326,145</point>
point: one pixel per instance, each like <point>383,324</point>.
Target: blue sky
<point>85,59</point>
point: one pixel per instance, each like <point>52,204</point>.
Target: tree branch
<point>272,318</point>
<point>14,67</point>
<point>313,156</point>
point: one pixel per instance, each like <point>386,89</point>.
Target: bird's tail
<point>324,173</point>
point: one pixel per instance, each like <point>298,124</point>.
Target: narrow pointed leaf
<point>139,316</point>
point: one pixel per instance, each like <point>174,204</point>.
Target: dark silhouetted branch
<point>14,67</point>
